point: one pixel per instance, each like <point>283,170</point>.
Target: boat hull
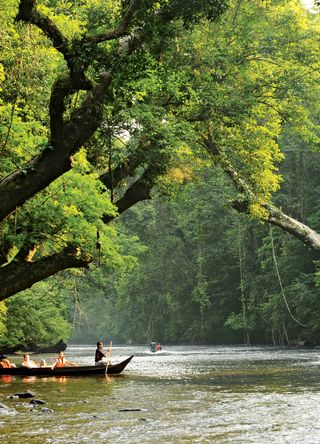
<point>84,370</point>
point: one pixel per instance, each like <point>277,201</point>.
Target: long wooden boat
<point>83,370</point>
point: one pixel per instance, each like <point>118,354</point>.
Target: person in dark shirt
<point>101,357</point>
<point>153,345</point>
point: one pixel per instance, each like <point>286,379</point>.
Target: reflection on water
<point>181,395</point>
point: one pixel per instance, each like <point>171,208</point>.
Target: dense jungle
<point>159,172</point>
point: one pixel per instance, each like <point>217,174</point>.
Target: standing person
<point>62,362</point>
<point>101,356</point>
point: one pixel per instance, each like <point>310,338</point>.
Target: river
<point>183,394</point>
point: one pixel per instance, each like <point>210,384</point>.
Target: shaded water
<point>185,395</point>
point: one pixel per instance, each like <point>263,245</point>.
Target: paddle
<point>108,355</point>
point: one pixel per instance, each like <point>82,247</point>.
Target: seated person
<point>5,363</point>
<point>101,357</point>
<point>153,345</point>
<point>61,361</point>
<point>27,362</point>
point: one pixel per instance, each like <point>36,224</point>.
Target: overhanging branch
<point>121,31</point>
<point>20,275</point>
<point>274,215</point>
<point>140,190</point>
<point>126,168</point>
<point>55,160</point>
<point>299,230</point>
<point>29,14</point>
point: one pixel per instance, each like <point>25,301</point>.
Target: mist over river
<point>184,394</point>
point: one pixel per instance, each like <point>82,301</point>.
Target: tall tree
<point>251,78</point>
<point>101,54</point>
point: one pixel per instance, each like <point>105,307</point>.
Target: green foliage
<point>3,311</point>
<point>173,292</point>
<point>30,65</point>
<point>39,316</point>
<point>241,79</point>
<point>185,267</point>
<point>68,211</point>
<point>252,81</point>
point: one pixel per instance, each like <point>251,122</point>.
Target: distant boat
<point>155,347</point>
<point>81,370</point>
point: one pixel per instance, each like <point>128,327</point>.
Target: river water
<point>183,394</point>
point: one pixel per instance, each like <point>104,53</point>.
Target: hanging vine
<point>109,136</point>
<point>280,281</point>
<point>242,296</point>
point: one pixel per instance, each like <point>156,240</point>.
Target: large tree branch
<point>54,161</point>
<point>20,275</point>
<point>29,14</point>
<point>61,89</point>
<point>274,215</point>
<point>121,31</point>
<point>220,158</point>
<point>139,190</point>
<point>112,179</point>
<point>299,230</point>
<point>66,85</point>
<point>277,217</point>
